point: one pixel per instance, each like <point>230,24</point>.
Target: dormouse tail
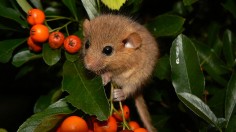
<point>143,113</point>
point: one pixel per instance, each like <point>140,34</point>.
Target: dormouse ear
<point>86,26</point>
<point>132,41</point>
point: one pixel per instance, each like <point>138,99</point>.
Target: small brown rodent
<point>124,52</point>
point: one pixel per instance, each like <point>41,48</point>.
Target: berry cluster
<point>39,34</point>
<point>114,123</point>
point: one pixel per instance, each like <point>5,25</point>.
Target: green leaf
<point>71,4</point>
<point>12,14</point>
<point>85,94</point>
<point>9,28</point>
<point>91,8</point>
<point>212,63</point>
<point>228,48</point>
<point>114,4</point>
<point>230,99</point>
<point>23,71</point>
<point>42,103</point>
<point>51,56</point>
<point>162,70</point>
<point>189,2</point>
<point>230,5</point>
<point>198,107</point>
<point>215,99</point>
<point>47,119</point>
<point>72,57</point>
<point>160,120</point>
<point>45,100</point>
<point>231,125</point>
<point>135,4</point>
<point>212,34</point>
<point>37,4</point>
<point>25,6</point>
<point>7,47</point>
<point>24,56</point>
<point>186,72</point>
<point>213,39</point>
<point>166,25</point>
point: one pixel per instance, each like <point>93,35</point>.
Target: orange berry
<point>39,33</point>
<point>133,125</point>
<point>74,124</point>
<point>118,114</point>
<point>36,47</point>
<point>140,130</point>
<point>72,44</point>
<point>56,40</point>
<point>105,126</point>
<point>35,16</point>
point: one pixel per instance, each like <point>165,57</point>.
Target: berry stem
<point>125,124</point>
<point>53,18</point>
<point>59,28</point>
<point>111,99</point>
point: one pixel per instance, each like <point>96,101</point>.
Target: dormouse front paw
<point>118,95</point>
<point>106,78</point>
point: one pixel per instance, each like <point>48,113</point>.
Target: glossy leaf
<point>24,56</point>
<point>186,73</point>
<point>51,56</point>
<point>85,94</point>
<point>114,4</point>
<point>189,2</point>
<point>24,5</point>
<point>230,99</point>
<point>12,14</point>
<point>42,103</point>
<point>198,107</point>
<point>166,25</point>
<point>45,100</point>
<point>7,47</point>
<point>212,63</point>
<point>91,8</point>
<point>71,4</point>
<point>37,4</point>
<point>228,48</point>
<point>47,119</point>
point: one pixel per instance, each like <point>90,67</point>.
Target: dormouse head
<point>111,43</point>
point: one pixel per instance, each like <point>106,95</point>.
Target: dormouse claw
<point>118,95</point>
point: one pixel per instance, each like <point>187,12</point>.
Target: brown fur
<point>128,67</point>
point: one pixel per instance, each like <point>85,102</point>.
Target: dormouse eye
<point>107,50</point>
<point>87,44</point>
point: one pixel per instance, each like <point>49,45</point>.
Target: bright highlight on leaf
<point>185,67</point>
<point>114,4</point>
